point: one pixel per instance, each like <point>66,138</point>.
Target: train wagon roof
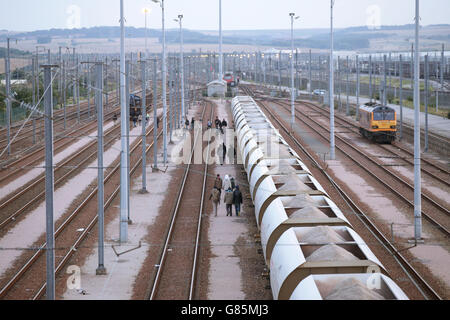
<point>376,108</point>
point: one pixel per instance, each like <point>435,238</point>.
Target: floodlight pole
<point>124,133</point>
<point>292,73</point>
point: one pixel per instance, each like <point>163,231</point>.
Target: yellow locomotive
<point>377,122</point>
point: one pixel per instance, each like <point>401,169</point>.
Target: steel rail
<point>61,228</point>
<point>415,277</point>
<point>172,222</point>
<point>382,181</point>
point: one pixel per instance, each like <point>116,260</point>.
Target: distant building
<point>217,88</point>
<point>15,81</point>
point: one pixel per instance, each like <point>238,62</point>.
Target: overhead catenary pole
<point>127,101</point>
<point>183,113</point>
<point>441,70</point>
<point>357,87</point>
<point>384,102</point>
<point>279,72</point>
<point>170,99</point>
<point>310,75</point>
<point>124,151</point>
<point>8,96</point>
<point>49,182</point>
<point>417,178</point>
<point>332,147</point>
<point>426,75</point>
<point>155,117</point>
<point>60,75</point>
<point>88,82</point>
<point>144,125</point>
<point>347,106</point>
<point>370,79</point>
<point>33,78</point>
<point>64,93</point>
<point>220,42</point>
<point>292,72</point>
<point>164,85</point>
<point>101,270</point>
<point>177,92</point>
<point>401,96</point>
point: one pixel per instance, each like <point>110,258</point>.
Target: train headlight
<point>374,127</point>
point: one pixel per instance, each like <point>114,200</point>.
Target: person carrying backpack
<point>215,196</point>
<point>218,183</point>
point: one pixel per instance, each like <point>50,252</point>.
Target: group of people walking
<point>134,118</point>
<point>219,124</point>
<point>232,195</point>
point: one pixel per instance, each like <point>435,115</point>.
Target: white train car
<point>309,246</point>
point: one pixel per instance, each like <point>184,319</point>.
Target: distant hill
<point>13,53</point>
<point>353,38</point>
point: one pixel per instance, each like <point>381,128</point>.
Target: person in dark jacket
<point>224,123</point>
<point>233,183</point>
<point>218,183</point>
<point>237,200</point>
<point>217,122</point>
<point>228,200</point>
<point>186,123</point>
<point>222,150</point>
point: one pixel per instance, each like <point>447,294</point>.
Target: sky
<point>30,15</point>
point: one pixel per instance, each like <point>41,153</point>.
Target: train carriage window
<point>389,115</point>
<point>377,116</point>
<point>383,115</point>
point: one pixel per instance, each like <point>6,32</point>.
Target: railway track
<point>32,272</point>
<point>35,189</point>
<point>13,168</point>
<point>407,156</point>
<point>24,138</point>
<point>17,167</point>
<point>419,282</point>
<point>437,214</point>
<point>175,277</point>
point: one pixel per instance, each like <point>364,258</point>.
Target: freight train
<point>377,122</point>
<point>310,248</point>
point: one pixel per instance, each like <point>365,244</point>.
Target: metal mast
<point>332,151</point>
<point>124,133</point>
<point>417,178</point>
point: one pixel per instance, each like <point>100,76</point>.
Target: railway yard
<point>177,248</point>
<point>238,176</point>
